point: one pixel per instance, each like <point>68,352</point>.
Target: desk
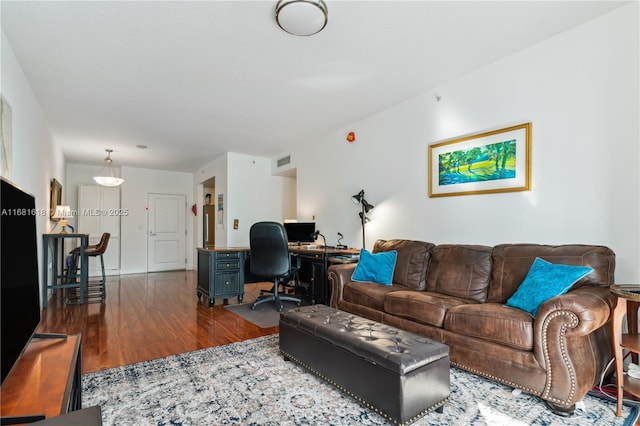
<point>313,269</point>
<point>222,271</point>
<point>55,243</point>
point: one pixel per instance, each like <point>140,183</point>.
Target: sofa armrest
<point>586,309</point>
<point>339,275</point>
<point>572,341</point>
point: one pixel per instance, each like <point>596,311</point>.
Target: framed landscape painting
<point>482,163</point>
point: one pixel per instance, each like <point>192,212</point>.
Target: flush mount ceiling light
<point>108,175</point>
<point>301,17</point>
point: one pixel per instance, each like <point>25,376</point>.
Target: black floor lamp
<point>366,208</point>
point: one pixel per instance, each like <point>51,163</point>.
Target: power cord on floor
<point>610,390</point>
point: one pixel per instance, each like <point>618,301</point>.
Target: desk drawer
<point>226,284</point>
<point>220,255</point>
<point>231,264</point>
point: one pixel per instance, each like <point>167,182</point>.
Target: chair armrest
<point>572,341</point>
<point>339,275</point>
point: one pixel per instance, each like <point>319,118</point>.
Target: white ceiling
<point>192,80</point>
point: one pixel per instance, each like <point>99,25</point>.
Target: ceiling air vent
<point>284,161</point>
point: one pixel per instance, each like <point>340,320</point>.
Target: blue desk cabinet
<point>221,273</point>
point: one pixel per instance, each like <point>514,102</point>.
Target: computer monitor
<point>300,232</point>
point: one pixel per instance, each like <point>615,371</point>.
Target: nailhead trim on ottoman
<point>400,375</point>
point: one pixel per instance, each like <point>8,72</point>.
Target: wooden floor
<point>148,316</point>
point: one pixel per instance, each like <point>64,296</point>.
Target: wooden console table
<point>46,380</point>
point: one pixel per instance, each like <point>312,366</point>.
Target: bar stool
<point>96,289</point>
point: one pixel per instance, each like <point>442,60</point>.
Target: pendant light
<point>108,175</point>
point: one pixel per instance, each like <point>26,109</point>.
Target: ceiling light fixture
<point>108,175</point>
<point>302,17</point>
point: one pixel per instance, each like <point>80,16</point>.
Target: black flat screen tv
<point>19,287</point>
<point>300,232</point>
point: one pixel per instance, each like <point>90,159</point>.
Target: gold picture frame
<point>490,162</point>
<point>55,198</point>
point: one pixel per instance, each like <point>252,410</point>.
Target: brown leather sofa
<point>456,293</point>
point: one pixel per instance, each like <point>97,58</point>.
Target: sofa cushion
<point>375,267</point>
<point>492,322</point>
<point>421,306</point>
<point>544,281</point>
<point>511,263</point>
<point>460,271</point>
<point>411,263</point>
<point>368,294</point>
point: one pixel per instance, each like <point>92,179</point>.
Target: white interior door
<point>167,232</point>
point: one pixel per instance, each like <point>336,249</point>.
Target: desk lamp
<point>366,208</point>
<point>62,213</point>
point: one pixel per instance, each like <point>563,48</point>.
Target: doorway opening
<point>209,213</point>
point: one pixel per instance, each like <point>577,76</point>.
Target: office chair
<point>270,259</point>
<point>96,290</point>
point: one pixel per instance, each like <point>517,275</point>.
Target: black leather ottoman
<point>399,374</point>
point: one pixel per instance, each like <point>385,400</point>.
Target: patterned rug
<point>248,383</point>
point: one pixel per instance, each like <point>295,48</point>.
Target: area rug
<point>248,383</point>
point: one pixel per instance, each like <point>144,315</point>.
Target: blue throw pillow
<point>375,267</point>
<point>544,281</point>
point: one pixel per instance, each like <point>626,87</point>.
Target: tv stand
<point>45,382</point>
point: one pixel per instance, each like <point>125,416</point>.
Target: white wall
<point>138,184</point>
<point>579,89</point>
<point>79,174</point>
<point>251,194</point>
<point>216,169</point>
<point>35,159</point>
